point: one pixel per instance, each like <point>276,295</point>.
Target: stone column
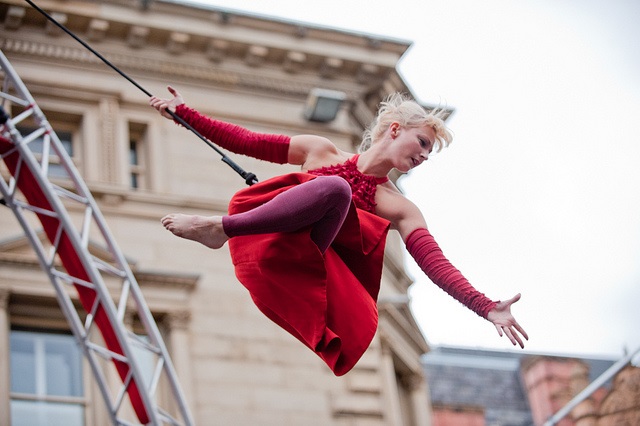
<point>5,368</point>
<point>420,402</point>
<point>179,346</point>
<point>393,413</point>
<point>112,155</point>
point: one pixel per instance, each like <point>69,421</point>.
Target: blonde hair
<point>408,113</point>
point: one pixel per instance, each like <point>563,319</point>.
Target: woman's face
<point>411,146</point>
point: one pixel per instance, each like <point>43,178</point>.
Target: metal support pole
<point>595,385</point>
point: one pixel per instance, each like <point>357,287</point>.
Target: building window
<point>66,127</point>
<point>37,146</point>
<point>46,379</point>
<point>146,359</point>
<point>137,155</point>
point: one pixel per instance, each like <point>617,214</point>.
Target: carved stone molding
<point>331,67</point>
<point>53,30</point>
<point>217,50</point>
<point>125,61</point>
<point>137,37</point>
<point>177,43</point>
<point>413,381</point>
<point>256,55</point>
<point>345,60</point>
<point>108,121</point>
<point>97,29</point>
<point>13,19</point>
<point>294,61</point>
<point>178,320</point>
<point>4,298</point>
<point>46,50</point>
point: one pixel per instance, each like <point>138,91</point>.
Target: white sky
<point>538,193</point>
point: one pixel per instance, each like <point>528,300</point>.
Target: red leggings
<point>321,203</point>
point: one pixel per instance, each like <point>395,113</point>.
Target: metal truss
<point>95,311</point>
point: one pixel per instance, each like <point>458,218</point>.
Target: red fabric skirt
<point>327,301</point>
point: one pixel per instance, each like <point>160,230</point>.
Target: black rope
<point>248,177</point>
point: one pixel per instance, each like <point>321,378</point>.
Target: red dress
<point>327,301</point>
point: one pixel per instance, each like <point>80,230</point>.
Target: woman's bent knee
<point>336,187</point>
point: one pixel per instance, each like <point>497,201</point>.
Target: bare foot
<point>206,230</point>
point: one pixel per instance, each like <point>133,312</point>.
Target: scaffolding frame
<point>592,387</point>
<point>97,321</point>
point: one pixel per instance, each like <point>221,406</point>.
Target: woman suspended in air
<point>309,246</point>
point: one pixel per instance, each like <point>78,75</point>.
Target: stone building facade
<point>234,365</point>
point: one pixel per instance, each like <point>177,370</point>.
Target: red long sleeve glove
<point>268,147</point>
<point>426,252</point>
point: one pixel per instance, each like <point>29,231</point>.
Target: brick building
<point>500,388</point>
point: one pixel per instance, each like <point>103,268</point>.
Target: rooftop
<point>463,377</point>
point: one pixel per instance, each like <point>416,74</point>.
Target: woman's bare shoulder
<point>312,151</point>
<point>392,205</point>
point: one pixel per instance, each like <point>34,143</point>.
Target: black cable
<point>248,177</point>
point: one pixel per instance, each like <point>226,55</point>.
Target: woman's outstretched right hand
<point>162,105</point>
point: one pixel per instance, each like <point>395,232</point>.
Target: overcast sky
<point>539,192</point>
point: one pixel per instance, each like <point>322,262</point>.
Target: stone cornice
<point>401,327</point>
<point>129,61</point>
<point>13,254</point>
<point>215,46</point>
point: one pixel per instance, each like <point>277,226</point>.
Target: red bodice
<point>363,187</point>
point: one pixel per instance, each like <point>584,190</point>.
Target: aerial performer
<point>309,245</point>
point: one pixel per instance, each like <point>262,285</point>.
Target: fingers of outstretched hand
<point>499,329</point>
<point>513,337</point>
<point>521,331</point>
<point>513,300</point>
<point>160,105</point>
<point>157,103</point>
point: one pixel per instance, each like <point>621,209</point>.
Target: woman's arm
<point>298,150</point>
<point>237,139</point>
<point>409,221</point>
<point>263,146</point>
